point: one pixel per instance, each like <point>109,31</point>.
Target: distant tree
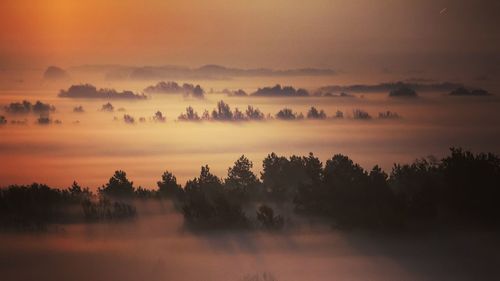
<point>78,109</point>
<point>286,114</point>
<point>190,115</point>
<point>388,115</point>
<point>403,91</point>
<point>158,117</point>
<point>254,113</point>
<point>313,113</point>
<point>238,115</point>
<point>360,114</point>
<point>44,120</point>
<point>107,107</point>
<point>128,119</point>
<point>223,112</point>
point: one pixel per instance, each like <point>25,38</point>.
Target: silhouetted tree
<point>417,186</point>
<point>190,115</point>
<point>223,112</point>
<point>169,188</point>
<point>241,182</point>
<point>286,114</point>
<point>158,117</point>
<point>206,204</point>
<point>118,187</point>
<point>313,113</point>
<point>267,219</point>
<point>254,113</point>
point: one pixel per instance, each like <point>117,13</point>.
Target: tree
<point>206,204</point>
<point>168,186</point>
<point>118,187</point>
<point>223,112</point>
<point>190,115</point>
<point>241,181</point>
<point>254,113</point>
<point>313,113</point>
<point>286,114</point>
<point>267,219</point>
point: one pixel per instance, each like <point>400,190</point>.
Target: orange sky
<point>282,33</point>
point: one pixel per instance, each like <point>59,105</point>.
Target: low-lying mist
<point>156,246</point>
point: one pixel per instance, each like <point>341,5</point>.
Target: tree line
<point>461,188</point>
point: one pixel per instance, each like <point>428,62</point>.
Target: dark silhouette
<point>105,209</point>
<point>54,73</point>
<point>26,107</point>
<point>107,107</point>
<point>313,113</point>
<point>43,120</point>
<point>174,88</point>
<point>203,72</point>
<point>254,113</point>
<point>388,115</point>
<point>207,206</point>
<point>462,91</point>
<point>128,119</point>
<point>3,120</point>
<point>118,187</point>
<point>288,114</point>
<point>267,219</point>
<point>403,91</point>
<point>361,115</point>
<point>190,115</point>
<point>90,91</point>
<point>169,188</point>
<point>78,109</point>
<point>241,183</point>
<point>459,190</point>
<point>237,93</point>
<point>222,112</point>
<point>158,117</point>
<point>390,86</point>
<point>278,91</point>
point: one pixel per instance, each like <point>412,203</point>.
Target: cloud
<point>90,91</point>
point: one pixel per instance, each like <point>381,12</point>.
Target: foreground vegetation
<point>462,188</point>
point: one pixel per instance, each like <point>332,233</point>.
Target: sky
<point>340,34</point>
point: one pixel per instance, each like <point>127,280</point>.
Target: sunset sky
<point>280,34</point>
